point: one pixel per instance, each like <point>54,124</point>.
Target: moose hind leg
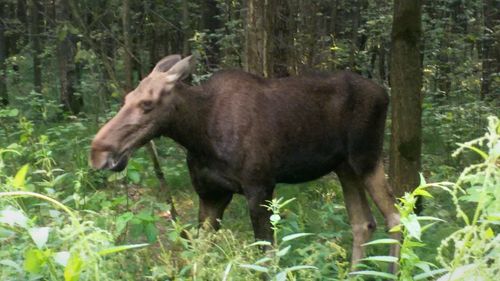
<point>362,222</point>
<point>212,208</point>
<point>382,195</point>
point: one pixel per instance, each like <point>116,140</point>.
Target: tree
<point>66,51</point>
<point>35,8</point>
<point>406,97</point>
<point>4,97</point>
<point>490,49</point>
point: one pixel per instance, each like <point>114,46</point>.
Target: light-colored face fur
<point>141,117</point>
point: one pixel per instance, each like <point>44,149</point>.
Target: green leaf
<point>375,273</point>
<point>281,276</point>
<point>62,258</point>
<point>254,267</point>
<point>263,260</point>
<point>283,251</point>
<point>20,178</point>
<point>12,217</point>
<point>122,220</point>
<point>121,248</point>
<point>73,268</point>
<point>300,267</point>
<point>34,259</point>
<point>40,235</point>
<point>134,176</point>
<point>428,274</point>
<point>260,243</point>
<point>12,264</point>
<point>151,232</point>
<point>382,241</point>
<point>412,226</point>
<point>295,236</point>
<point>275,218</point>
<point>422,192</point>
<point>381,258</point>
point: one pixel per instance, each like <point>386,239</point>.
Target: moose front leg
<point>257,198</point>
<point>212,208</point>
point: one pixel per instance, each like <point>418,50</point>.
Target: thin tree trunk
<point>257,42</point>
<point>66,51</point>
<point>127,58</point>
<point>4,96</point>
<point>406,98</point>
<point>35,7</point>
<point>490,51</point>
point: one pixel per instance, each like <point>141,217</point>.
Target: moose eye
<point>146,105</point>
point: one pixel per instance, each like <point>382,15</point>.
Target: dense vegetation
<point>65,66</point>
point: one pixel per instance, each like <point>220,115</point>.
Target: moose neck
<point>188,124</point>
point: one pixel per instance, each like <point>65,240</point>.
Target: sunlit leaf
<point>260,243</point>
<point>381,258</point>
<point>254,267</point>
<point>381,241</point>
<point>117,249</point>
<point>295,236</point>
<point>20,178</point>
<point>73,268</point>
<point>375,273</point>
<point>12,217</point>
<point>40,235</point>
<point>283,251</point>
<point>34,259</point>
<point>62,258</point>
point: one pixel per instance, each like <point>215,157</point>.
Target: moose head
<point>142,117</point>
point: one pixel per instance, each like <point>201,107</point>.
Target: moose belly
<point>300,167</point>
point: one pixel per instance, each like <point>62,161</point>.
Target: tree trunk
<point>406,97</point>
<point>490,51</point>
<point>4,97</point>
<point>35,7</point>
<point>66,51</point>
<point>127,58</point>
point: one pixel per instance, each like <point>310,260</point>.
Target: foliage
<point>471,252</point>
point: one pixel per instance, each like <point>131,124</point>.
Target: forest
<point>66,66</point>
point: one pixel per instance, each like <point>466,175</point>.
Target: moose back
<point>244,134</point>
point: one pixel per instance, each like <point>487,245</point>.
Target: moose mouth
<point>119,164</point>
<point>115,162</point>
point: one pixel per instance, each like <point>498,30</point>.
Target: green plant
<point>270,264</point>
<point>471,252</point>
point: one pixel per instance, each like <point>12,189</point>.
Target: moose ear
<point>181,69</point>
<point>166,63</point>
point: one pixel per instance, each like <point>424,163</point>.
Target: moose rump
<point>244,134</point>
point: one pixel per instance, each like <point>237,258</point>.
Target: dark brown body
<point>244,134</point>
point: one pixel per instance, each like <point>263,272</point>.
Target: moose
<point>244,134</point>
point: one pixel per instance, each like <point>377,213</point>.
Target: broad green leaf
<point>122,220</point>
<point>134,176</point>
<point>489,233</point>
<point>13,112</point>
<point>62,258</point>
<point>275,218</point>
<point>381,258</point>
<point>375,273</point>
<point>412,226</point>
<point>422,180</point>
<point>34,259</point>
<point>73,268</point>
<point>283,251</point>
<point>40,235</point>
<point>381,241</point>
<point>254,267</point>
<point>295,236</point>
<point>20,178</point>
<point>117,249</point>
<point>12,217</point>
